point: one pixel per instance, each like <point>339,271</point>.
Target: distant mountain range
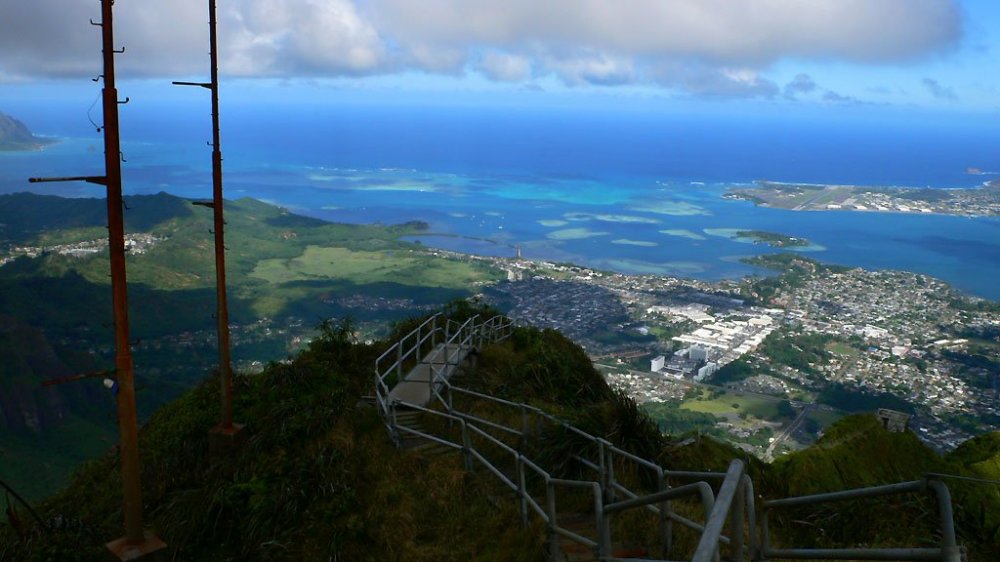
<point>14,135</point>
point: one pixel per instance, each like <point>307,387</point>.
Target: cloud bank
<point>715,47</point>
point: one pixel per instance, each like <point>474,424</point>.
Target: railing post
<point>522,489</point>
<point>399,362</point>
<point>394,423</point>
<point>949,547</point>
<point>736,513</point>
<point>607,470</point>
<point>603,527</point>
<point>751,509</point>
<point>603,465</point>
<point>666,524</point>
<point>550,505</point>
<point>765,536</point>
<point>525,428</point>
<point>610,492</point>
<point>466,446</point>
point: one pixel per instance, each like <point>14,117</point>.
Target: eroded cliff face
<point>27,358</point>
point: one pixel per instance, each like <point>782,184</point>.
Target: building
<point>896,422</point>
<point>708,370</point>
<point>656,365</point>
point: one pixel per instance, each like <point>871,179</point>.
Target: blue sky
<point>714,55</point>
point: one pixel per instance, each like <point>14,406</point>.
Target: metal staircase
<point>413,386</point>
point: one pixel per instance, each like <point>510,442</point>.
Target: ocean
<point>631,191</point>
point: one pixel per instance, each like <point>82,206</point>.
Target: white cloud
<point>257,38</point>
<point>705,80</point>
<point>734,32</point>
<point>505,67</point>
<point>711,47</point>
<point>592,68</point>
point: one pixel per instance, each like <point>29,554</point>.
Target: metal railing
<point>949,550</point>
<point>392,366</point>
<point>607,488</point>
<point>733,504</point>
<point>607,457</point>
<point>532,502</point>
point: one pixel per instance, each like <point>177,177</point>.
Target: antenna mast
<point>137,544</point>
<point>226,433</point>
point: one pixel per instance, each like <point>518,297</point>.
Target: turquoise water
<point>608,194</point>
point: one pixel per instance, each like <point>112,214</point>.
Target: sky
<point>793,55</point>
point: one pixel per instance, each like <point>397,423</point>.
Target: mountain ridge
<point>15,135</point>
<point>320,478</point>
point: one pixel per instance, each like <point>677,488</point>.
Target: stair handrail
<point>495,329</point>
<point>461,337</point>
<point>420,334</point>
<point>607,451</point>
<point>949,551</point>
<point>734,503</point>
<point>470,453</point>
<point>409,347</point>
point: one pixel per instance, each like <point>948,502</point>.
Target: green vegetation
<point>804,352</point>
<point>722,403</point>
<point>676,421</point>
<point>285,273</point>
<point>318,478</point>
<point>850,399</point>
<point>734,371</point>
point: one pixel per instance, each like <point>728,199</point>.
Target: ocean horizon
<point>616,191</point>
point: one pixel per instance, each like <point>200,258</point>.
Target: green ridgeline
<point>55,309</point>
<point>319,479</point>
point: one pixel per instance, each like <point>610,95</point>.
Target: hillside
<point>319,478</point>
<point>286,273</point>
<point>14,135</point>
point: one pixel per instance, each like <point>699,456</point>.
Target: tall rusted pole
<point>127,422</point>
<point>222,312</point>
<point>137,545</point>
<point>226,434</point>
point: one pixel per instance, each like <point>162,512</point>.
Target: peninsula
<point>14,135</point>
<point>978,201</point>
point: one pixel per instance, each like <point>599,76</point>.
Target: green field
<point>762,408</point>
<point>361,267</point>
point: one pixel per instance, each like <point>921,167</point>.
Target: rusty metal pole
<point>222,312</point>
<point>227,434</point>
<point>127,421</point>
<point>137,545</point>
<point>135,538</point>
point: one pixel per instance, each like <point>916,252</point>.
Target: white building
<point>656,365</point>
<point>706,371</point>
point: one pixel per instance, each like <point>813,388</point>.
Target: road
<point>787,432</point>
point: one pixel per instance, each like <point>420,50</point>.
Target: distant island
<point>978,201</point>
<point>772,238</point>
<point>15,136</point>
